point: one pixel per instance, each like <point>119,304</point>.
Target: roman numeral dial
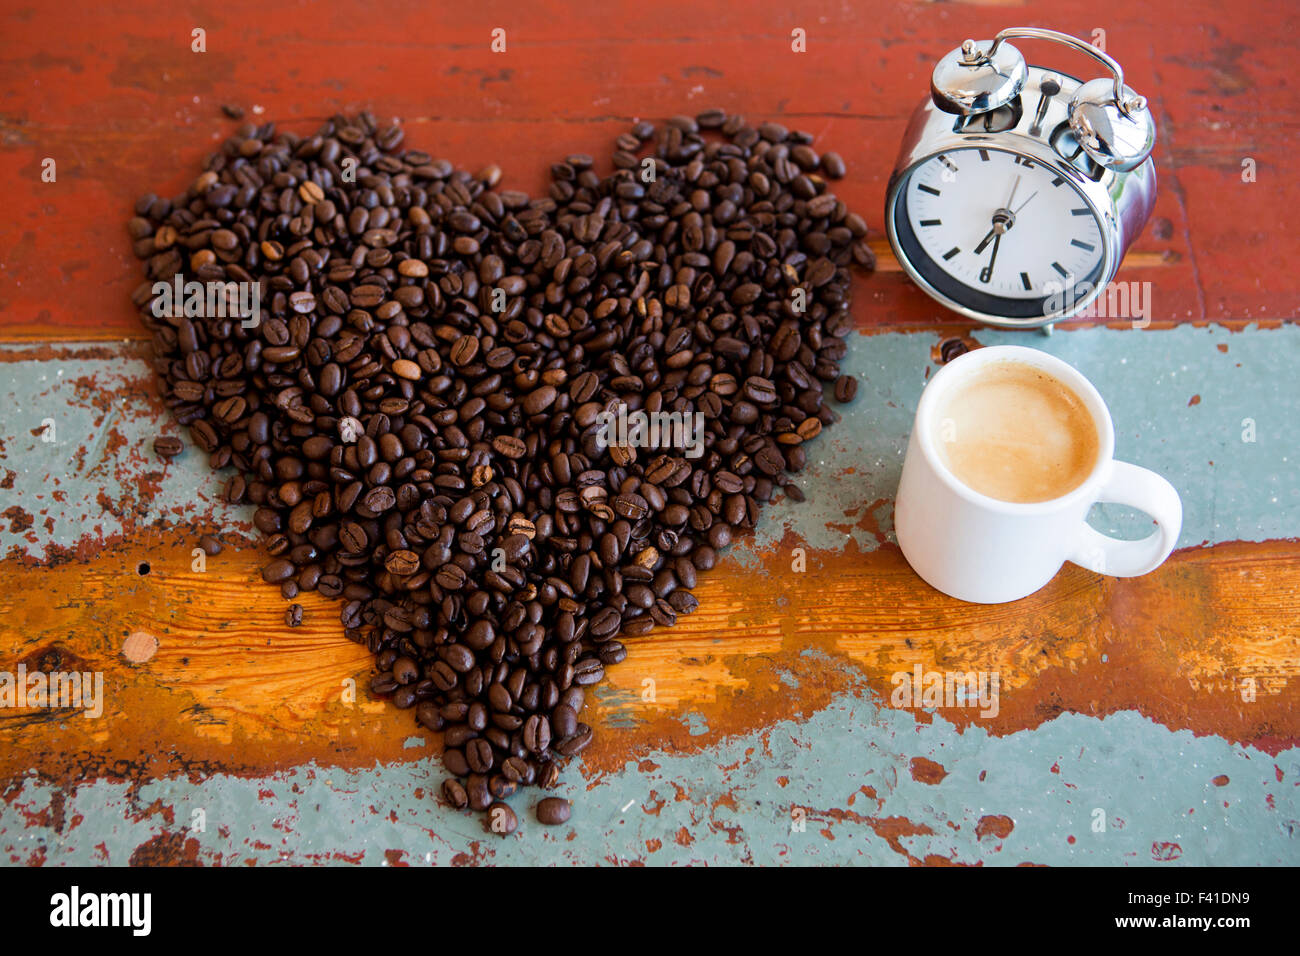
<point>1003,224</point>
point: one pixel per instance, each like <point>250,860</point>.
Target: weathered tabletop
<point>1140,721</point>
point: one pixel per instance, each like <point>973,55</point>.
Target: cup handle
<point>1146,491</point>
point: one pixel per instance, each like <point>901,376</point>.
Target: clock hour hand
<point>1003,219</point>
<point>987,239</point>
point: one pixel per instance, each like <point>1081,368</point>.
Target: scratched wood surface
<point>123,106</point>
<point>230,687</point>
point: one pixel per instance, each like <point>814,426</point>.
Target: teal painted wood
<point>1121,791</point>
<point>1181,407</point>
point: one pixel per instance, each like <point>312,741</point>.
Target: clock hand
<point>987,272</point>
<point>1003,218</point>
<point>1025,203</point>
<point>1014,187</point>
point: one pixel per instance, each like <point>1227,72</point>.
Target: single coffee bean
<point>293,615</point>
<point>277,571</point>
<point>168,446</point>
<point>402,563</point>
<point>454,793</point>
<point>553,811</point>
<point>833,165</point>
<point>407,369</point>
<point>501,819</point>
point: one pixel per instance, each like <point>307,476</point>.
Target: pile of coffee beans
<point>416,411</point>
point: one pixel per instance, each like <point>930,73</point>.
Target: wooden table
<point>760,729</point>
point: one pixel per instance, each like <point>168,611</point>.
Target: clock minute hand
<point>987,272</point>
<point>1014,186</point>
<point>1003,217</point>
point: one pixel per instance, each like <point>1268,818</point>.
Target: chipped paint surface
<point>99,479</point>
<point>1232,490</point>
<point>853,784</point>
<point>868,783</point>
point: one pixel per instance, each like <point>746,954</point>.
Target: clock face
<point>997,231</point>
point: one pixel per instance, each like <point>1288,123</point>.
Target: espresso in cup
<point>1017,433</point>
<point>1010,449</point>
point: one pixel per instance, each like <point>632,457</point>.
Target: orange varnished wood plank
<point>231,687</point>
<point>117,98</point>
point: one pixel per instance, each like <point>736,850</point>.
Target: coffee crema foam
<point>1017,433</point>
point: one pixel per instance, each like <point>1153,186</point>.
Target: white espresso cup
<point>985,550</point>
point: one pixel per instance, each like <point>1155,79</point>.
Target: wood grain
<point>230,686</point>
<point>121,103</point>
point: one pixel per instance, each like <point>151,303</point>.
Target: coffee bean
<point>404,368</point>
<point>402,563</point>
<point>553,811</point>
<point>587,672</point>
<point>352,537</point>
<point>478,754</point>
<point>539,400</point>
<point>293,615</point>
<point>277,571</point>
<point>169,446</point>
<point>433,460</point>
<point>576,743</point>
<point>464,350</point>
<point>501,819</point>
<point>479,795</point>
<point>454,793</point>
<point>833,165</point>
<point>210,545</point>
<point>564,720</point>
<point>380,499</point>
<point>510,446</point>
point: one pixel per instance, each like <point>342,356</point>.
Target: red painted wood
<point>118,99</point>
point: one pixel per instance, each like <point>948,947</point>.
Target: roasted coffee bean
<point>833,165</point>
<point>453,758</point>
<point>478,754</point>
<point>479,795</point>
<point>293,615</point>
<point>352,537</point>
<point>278,570</point>
<point>380,499</point>
<point>402,563</point>
<point>501,819</point>
<point>537,734</point>
<point>210,545</point>
<point>454,793</point>
<point>169,446</point>
<point>553,811</point>
<point>576,743</point>
<point>447,459</point>
<point>564,720</point>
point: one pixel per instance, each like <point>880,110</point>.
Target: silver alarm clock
<point>1018,189</point>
